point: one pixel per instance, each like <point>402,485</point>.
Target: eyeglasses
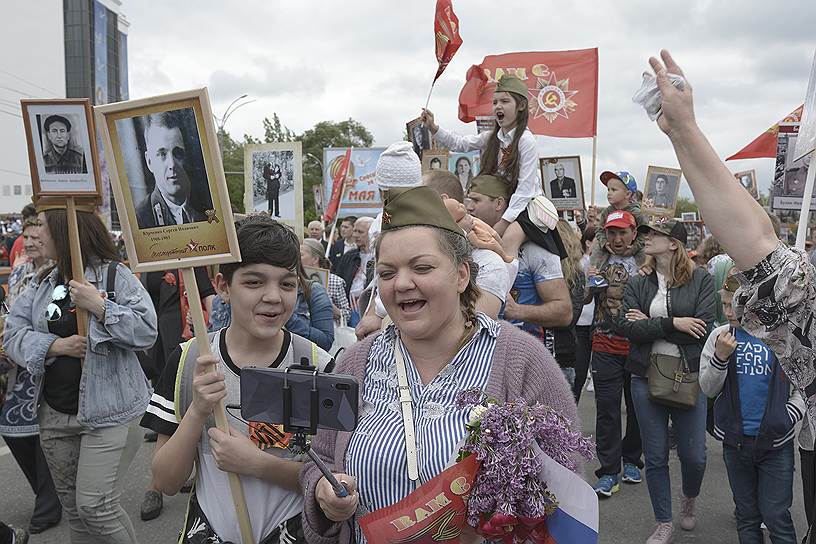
<point>53,312</point>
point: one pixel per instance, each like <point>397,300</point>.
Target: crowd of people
<point>448,289</point>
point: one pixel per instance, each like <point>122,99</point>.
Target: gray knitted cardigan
<point>522,368</point>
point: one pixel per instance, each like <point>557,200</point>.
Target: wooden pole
<point>77,267</point>
<point>200,328</point>
<point>594,155</point>
<point>804,215</point>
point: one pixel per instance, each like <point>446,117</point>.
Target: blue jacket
<point>783,409</point>
<point>112,389</point>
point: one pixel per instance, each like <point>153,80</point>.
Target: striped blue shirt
<point>376,455</point>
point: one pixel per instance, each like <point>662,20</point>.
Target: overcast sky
<point>373,60</point>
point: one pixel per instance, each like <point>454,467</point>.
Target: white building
<point>54,49</point>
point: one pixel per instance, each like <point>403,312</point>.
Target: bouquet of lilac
<point>509,501</point>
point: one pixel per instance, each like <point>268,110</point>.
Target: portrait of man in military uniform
<point>167,158</point>
<point>62,154</point>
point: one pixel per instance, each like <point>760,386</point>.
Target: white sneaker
<point>589,386</point>
<point>662,534</point>
<point>687,519</point>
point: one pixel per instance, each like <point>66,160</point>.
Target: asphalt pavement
<point>625,518</point>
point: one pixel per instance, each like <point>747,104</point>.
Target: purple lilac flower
<point>468,397</point>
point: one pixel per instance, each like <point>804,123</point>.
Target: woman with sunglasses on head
<point>18,414</point>
<point>667,316</point>
<point>91,390</point>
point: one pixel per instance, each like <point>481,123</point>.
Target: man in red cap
<point>609,351</point>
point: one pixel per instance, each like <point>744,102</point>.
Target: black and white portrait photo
<point>61,154</point>
<point>62,151</point>
<point>561,180</point>
<point>434,159</point>
<point>662,186</point>
<point>163,157</point>
<point>419,136</point>
<point>272,174</point>
<point>748,181</point>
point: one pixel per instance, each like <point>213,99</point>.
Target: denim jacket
<point>113,389</point>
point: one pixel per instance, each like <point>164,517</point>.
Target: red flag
<point>338,184</point>
<point>446,34</point>
<point>765,144</point>
<point>562,90</point>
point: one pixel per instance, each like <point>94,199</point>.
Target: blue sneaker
<point>631,474</point>
<point>607,485</point>
<point>597,281</point>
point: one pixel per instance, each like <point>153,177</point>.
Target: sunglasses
<point>53,312</point>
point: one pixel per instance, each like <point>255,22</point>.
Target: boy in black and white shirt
<point>262,293</point>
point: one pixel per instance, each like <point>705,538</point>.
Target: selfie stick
<point>300,442</point>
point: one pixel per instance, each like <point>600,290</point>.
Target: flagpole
<point>804,215</point>
<point>428,100</point>
<point>594,155</point>
<point>339,205</point>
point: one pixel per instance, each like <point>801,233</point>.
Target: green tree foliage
<point>324,134</point>
<point>685,205</point>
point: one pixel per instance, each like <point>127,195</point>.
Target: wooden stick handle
<point>804,214</point>
<point>594,155</point>
<point>200,328</point>
<point>77,266</point>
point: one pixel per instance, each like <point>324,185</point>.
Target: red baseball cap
<point>620,219</point>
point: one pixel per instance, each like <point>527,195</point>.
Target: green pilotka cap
<point>490,185</point>
<point>511,84</point>
<point>417,206</point>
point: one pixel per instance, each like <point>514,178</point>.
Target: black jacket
<point>694,299</point>
<point>564,339</point>
<point>337,250</point>
<point>346,267</point>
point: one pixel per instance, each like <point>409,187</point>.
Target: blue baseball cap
<point>623,176</point>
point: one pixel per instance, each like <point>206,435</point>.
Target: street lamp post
<point>222,121</point>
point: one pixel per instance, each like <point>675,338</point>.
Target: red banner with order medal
<point>562,90</point>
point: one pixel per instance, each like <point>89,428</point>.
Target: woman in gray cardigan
<point>427,284</point>
<point>670,313</point>
<point>90,391</point>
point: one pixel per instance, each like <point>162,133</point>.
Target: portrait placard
<point>62,151</point>
<point>273,182</point>
<point>434,159</point>
<point>168,181</point>
<point>320,275</point>
<point>807,131</point>
<point>688,216</point>
<point>419,135</point>
<point>465,166</point>
<point>694,234</point>
<point>748,180</point>
<point>562,182</point>
<point>661,190</point>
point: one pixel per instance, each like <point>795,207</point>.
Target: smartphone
<point>331,398</point>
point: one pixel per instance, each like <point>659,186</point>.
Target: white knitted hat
<point>398,167</point>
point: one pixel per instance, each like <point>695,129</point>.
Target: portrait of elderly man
<point>166,158</point>
<point>562,186</point>
<point>63,155</point>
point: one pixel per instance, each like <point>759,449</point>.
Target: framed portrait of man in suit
<point>61,147</point>
<point>748,181</point>
<point>168,181</point>
<point>562,182</point>
<point>273,182</point>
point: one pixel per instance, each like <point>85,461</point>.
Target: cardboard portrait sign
<point>62,151</point>
<point>273,182</point>
<point>660,191</point>
<point>168,181</point>
<point>562,182</point>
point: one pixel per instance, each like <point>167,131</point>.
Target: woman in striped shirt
<point>427,284</point>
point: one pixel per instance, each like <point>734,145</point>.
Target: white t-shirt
<point>588,311</point>
<point>492,277</point>
<point>269,505</point>
<point>658,308</point>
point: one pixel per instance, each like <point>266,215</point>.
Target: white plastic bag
<point>650,97</point>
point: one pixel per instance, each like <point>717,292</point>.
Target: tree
<point>685,205</point>
<point>326,134</point>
